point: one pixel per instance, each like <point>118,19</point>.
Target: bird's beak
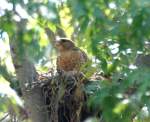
<point>57,42</point>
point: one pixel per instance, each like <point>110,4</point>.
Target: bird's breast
<point>69,61</point>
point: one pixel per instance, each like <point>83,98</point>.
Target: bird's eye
<point>63,40</point>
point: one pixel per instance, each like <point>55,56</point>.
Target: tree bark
<point>26,74</point>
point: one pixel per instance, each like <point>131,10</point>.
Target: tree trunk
<point>26,74</point>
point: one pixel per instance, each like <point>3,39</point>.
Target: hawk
<point>70,58</point>
<point>69,62</point>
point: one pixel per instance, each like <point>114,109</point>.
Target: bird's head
<point>64,44</point>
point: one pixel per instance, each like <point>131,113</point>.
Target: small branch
<point>5,73</point>
<point>52,36</point>
<point>3,118</point>
<point>60,32</point>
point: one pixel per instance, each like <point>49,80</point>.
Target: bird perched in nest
<point>69,62</point>
<point>70,58</point>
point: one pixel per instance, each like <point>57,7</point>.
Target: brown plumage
<point>69,62</point>
<point>70,57</point>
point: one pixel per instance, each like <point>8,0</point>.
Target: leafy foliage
<point>112,32</point>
